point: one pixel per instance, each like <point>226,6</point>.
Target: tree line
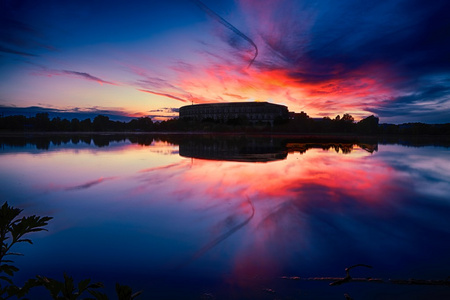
<point>42,122</point>
<point>297,123</point>
<point>368,126</point>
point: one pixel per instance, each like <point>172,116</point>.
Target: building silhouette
<point>253,112</point>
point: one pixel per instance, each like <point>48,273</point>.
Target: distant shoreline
<point>43,140</point>
<point>209,133</point>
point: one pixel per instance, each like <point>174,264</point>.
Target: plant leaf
<point>14,253</point>
<point>136,294</point>
<point>98,295</point>
<point>68,287</point>
<point>123,292</point>
<point>83,285</point>
<point>25,240</point>
<point>6,279</point>
<point>30,283</point>
<point>12,290</point>
<point>7,215</point>
<point>96,285</point>
<point>8,269</point>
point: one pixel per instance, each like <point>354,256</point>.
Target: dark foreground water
<point>195,217</point>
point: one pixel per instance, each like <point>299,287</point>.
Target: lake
<point>233,217</point>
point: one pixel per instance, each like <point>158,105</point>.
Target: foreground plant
<point>124,292</point>
<point>67,290</point>
<point>12,231</point>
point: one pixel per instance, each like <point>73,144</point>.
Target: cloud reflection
<point>89,184</point>
<point>320,199</point>
<point>54,187</point>
<point>224,236</point>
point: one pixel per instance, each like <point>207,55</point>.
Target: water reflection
<point>143,207</point>
<point>222,147</point>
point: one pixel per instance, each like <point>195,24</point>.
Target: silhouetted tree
<point>75,125</point>
<point>13,123</point>
<point>86,125</point>
<point>325,125</point>
<point>55,124</point>
<point>389,129</point>
<point>65,125</point>
<point>348,123</point>
<point>141,124</point>
<point>347,118</point>
<point>368,125</point>
<point>344,124</point>
<point>101,123</point>
<point>300,122</point>
<point>42,121</point>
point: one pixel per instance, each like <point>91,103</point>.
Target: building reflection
<point>263,149</point>
<point>242,149</point>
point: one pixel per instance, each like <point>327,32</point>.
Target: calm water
<point>226,218</point>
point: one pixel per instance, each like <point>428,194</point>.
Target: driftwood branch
<point>348,278</point>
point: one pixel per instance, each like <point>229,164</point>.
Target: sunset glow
<point>148,58</point>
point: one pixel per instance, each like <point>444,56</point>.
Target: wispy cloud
<point>11,51</point>
<point>88,76</point>
<point>163,114</point>
<point>166,109</point>
<point>428,102</point>
<point>228,25</point>
<point>164,95</point>
<point>42,70</point>
<point>20,38</point>
<point>239,97</point>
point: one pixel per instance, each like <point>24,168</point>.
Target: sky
<point>389,58</point>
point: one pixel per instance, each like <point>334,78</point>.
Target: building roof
<point>254,103</point>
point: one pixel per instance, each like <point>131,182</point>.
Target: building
<point>253,112</point>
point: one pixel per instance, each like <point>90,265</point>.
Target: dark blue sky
<point>388,58</point>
